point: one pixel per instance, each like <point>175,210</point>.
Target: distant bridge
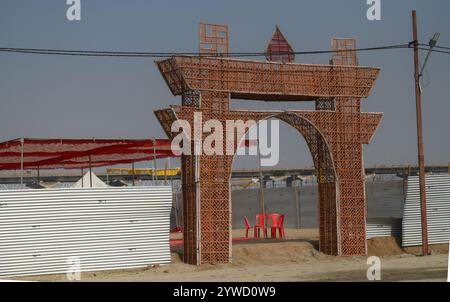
<point>71,176</point>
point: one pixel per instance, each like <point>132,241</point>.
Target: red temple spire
<point>278,49</point>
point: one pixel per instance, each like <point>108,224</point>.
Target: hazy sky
<point>55,96</point>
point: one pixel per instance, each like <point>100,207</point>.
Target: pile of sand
<point>434,249</point>
<point>383,246</point>
<point>274,253</point>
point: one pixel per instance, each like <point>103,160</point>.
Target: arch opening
<point>325,175</point>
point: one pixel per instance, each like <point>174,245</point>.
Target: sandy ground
<point>294,259</point>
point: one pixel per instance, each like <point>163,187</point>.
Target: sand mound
<point>434,248</point>
<point>383,246</point>
<point>273,253</point>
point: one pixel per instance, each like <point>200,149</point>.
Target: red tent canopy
<point>79,153</point>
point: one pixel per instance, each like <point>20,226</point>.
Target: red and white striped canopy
<point>37,153</point>
<point>79,153</point>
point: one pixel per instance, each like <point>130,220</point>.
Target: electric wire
<point>97,53</point>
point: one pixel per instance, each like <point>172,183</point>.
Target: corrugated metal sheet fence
<point>438,210</point>
<point>106,228</point>
<point>383,227</point>
<point>385,200</point>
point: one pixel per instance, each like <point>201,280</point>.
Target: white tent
<point>85,182</point>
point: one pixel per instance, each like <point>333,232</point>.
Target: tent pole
<point>154,161</point>
<point>82,180</point>
<point>132,171</point>
<point>261,190</point>
<point>165,173</point>
<point>174,199</point>
<point>90,171</point>
<point>153,171</point>
<point>22,142</point>
<point>38,175</point>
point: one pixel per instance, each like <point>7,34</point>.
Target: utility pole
<point>423,203</point>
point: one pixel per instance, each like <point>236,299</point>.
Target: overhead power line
<point>436,46</point>
<point>434,50</point>
<point>134,54</point>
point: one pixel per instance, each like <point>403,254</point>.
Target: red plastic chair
<point>176,230</point>
<point>260,225</point>
<point>282,235</point>
<point>277,224</point>
<point>247,226</point>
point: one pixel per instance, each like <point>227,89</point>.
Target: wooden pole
<point>421,157</point>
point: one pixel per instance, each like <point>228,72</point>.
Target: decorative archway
<point>334,131</point>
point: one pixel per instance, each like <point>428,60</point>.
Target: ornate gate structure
<point>334,133</point>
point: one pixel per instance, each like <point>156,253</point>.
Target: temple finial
<point>278,49</point>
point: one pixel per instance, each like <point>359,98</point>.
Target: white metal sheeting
<point>383,227</point>
<point>106,228</point>
<point>438,211</point>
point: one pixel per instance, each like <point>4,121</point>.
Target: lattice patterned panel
<point>245,79</point>
<point>345,54</point>
<point>213,39</point>
<point>190,214</point>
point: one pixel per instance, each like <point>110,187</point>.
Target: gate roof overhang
<point>263,80</point>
